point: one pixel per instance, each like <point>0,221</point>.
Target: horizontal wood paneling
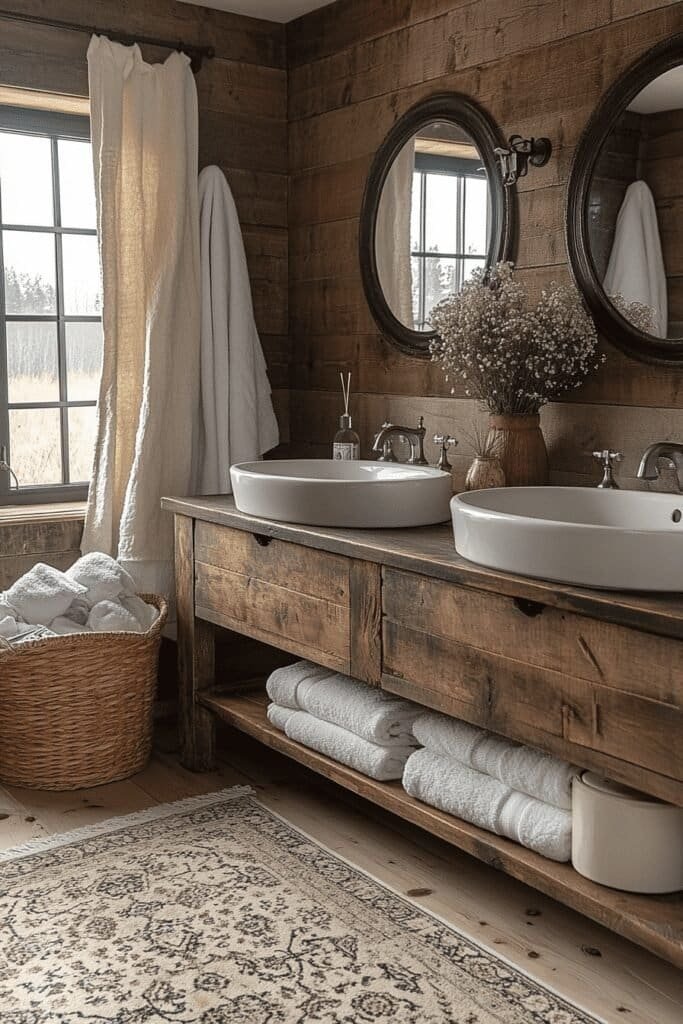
<point>628,660</point>
<point>530,703</point>
<point>233,36</point>
<point>297,598</point>
<point>54,539</point>
<point>538,68</point>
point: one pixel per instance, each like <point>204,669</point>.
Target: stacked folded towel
<point>94,595</point>
<point>348,721</point>
<point>512,790</point>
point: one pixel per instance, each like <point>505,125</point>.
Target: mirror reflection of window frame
<point>465,115</point>
<point>610,319</point>
<point>461,169</point>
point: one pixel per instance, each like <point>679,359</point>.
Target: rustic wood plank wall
<point>242,121</point>
<point>539,68</point>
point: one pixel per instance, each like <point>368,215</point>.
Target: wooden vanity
<point>591,676</point>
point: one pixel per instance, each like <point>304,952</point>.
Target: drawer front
<point>563,681</point>
<point>290,596</point>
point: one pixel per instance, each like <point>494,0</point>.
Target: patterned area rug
<point>215,911</point>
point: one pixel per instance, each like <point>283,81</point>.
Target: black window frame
<point>55,126</point>
<point>462,168</point>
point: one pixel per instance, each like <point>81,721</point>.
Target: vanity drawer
<point>284,594</point>
<point>592,691</point>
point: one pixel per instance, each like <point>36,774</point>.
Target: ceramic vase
<point>520,446</point>
<point>485,471</point>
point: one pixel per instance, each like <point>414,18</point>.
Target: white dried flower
<point>514,359</point>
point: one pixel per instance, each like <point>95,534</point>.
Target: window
<point>449,228</point>
<point>50,319</point>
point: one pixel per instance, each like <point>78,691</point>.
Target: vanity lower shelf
<point>655,922</point>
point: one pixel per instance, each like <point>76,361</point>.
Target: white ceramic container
<point>618,540</point>
<point>334,492</point>
<point>625,839</point>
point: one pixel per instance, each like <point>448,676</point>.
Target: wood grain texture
<point>654,922</point>
<point>277,592</point>
<point>196,657</point>
<point>430,550</point>
<point>354,69</point>
<point>29,535</point>
<point>365,580</point>
<point>568,717</point>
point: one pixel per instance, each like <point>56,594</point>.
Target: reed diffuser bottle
<point>346,444</point>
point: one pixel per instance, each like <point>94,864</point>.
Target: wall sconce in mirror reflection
<point>515,160</point>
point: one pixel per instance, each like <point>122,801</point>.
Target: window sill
<point>50,512</point>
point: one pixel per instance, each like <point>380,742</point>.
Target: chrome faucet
<point>415,437</point>
<point>672,451</point>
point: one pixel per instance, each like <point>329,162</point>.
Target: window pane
<point>35,448</point>
<point>469,266</point>
<point>81,262</point>
<point>83,361</point>
<point>82,425</point>
<point>442,213</point>
<point>26,179</point>
<point>476,209</point>
<point>30,280</point>
<point>32,373</point>
<point>440,281</point>
<point>76,184</point>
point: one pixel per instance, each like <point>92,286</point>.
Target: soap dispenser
<point>346,444</point>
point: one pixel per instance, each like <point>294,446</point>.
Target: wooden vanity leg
<point>196,658</point>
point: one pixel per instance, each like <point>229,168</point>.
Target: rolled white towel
<point>453,787</point>
<point>112,617</point>
<point>42,594</point>
<point>522,768</point>
<point>8,626</point>
<point>64,626</point>
<point>373,760</point>
<point>146,614</point>
<point>366,711</point>
<point>103,578</point>
<point>279,715</point>
<point>457,789</point>
<point>282,684</point>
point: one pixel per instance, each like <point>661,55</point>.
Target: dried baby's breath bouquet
<point>512,357</point>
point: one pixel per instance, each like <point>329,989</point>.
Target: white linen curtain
<point>392,236</point>
<point>144,140</point>
<point>237,418</point>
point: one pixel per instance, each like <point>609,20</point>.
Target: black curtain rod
<point>195,53</point>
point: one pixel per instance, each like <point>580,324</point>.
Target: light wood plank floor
<point>589,965</point>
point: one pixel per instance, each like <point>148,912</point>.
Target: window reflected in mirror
<point>433,222</point>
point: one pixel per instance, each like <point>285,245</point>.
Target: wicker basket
<point>76,710</point>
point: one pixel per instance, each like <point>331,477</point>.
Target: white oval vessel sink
<point>619,540</point>
<point>327,492</point>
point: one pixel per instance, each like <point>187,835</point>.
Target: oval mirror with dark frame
<point>434,209</point>
<point>625,208</point>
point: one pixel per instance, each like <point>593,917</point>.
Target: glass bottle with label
<point>346,443</point>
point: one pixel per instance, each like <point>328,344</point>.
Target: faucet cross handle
<point>446,442</point>
<point>607,458</point>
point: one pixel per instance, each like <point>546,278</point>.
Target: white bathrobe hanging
<point>237,419</point>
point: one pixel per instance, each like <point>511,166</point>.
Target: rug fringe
<point>100,828</point>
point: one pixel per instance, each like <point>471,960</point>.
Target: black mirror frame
<point>461,110</point>
<point>615,327</point>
